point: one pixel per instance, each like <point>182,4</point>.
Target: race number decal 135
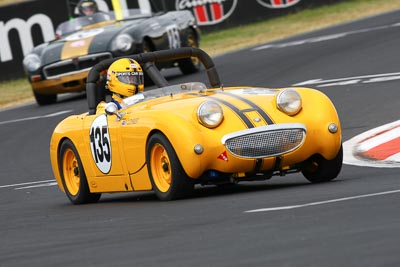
<point>100,144</point>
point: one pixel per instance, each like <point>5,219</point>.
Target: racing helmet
<point>125,77</point>
<point>87,7</point>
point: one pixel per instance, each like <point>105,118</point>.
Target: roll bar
<point>95,94</point>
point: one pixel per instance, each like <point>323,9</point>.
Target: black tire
<point>318,169</point>
<point>73,175</point>
<point>43,100</point>
<point>147,46</point>
<point>190,65</point>
<point>167,176</point>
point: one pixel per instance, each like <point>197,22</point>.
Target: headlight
<point>210,114</point>
<point>31,62</point>
<point>123,42</point>
<point>289,101</point>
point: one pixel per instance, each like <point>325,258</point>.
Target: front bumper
<point>66,84</point>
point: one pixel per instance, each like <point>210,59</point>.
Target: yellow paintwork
<point>55,86</point>
<point>175,116</point>
<point>117,9</point>
<point>76,48</point>
<point>99,24</point>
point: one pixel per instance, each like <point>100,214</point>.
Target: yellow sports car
<point>176,136</point>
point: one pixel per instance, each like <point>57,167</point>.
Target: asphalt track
<point>285,221</point>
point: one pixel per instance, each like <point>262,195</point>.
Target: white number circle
<point>100,144</point>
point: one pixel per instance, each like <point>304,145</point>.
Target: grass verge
<point>248,35</point>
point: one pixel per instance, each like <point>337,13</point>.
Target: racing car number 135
<point>100,144</point>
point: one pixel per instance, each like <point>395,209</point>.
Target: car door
<point>104,143</point>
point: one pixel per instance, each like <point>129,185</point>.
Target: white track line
<point>37,185</point>
<point>27,184</point>
<point>322,38</point>
<point>321,202</point>
<point>36,117</point>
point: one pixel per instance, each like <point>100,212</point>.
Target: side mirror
<point>112,109</point>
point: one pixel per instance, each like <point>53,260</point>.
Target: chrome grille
<point>266,141</point>
<point>75,65</point>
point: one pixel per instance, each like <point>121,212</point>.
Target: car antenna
<point>70,12</point>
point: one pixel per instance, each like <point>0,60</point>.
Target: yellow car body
<point>253,140</point>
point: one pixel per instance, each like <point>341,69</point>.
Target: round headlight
<point>289,101</point>
<point>31,62</point>
<point>123,42</point>
<point>210,114</point>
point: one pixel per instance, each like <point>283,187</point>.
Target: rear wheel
<point>146,46</point>
<point>318,169</point>
<point>167,176</point>
<point>73,175</point>
<point>190,65</point>
<point>43,99</point>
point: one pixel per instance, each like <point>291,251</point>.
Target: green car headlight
<point>123,42</point>
<point>210,114</point>
<point>289,101</point>
<point>31,62</point>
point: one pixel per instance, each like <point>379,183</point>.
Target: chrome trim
<point>70,62</point>
<point>252,149</point>
<point>333,128</point>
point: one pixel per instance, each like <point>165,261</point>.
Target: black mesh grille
<point>265,144</point>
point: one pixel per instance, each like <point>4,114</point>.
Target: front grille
<point>266,141</point>
<point>76,65</point>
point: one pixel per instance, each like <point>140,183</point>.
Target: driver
<point>87,7</point>
<point>124,78</point>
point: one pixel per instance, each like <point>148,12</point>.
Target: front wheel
<point>318,169</point>
<point>43,99</point>
<point>73,175</point>
<point>167,175</point>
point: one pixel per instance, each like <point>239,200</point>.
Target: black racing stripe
<point>234,109</point>
<point>258,165</point>
<point>54,55</point>
<point>252,104</point>
<point>239,112</point>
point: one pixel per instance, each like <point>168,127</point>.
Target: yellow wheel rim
<point>71,172</point>
<point>160,168</point>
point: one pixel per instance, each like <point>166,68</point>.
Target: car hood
<point>237,103</point>
<point>90,40</point>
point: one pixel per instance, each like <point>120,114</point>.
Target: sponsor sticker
<point>78,43</point>
<point>208,12</point>
<point>278,3</point>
